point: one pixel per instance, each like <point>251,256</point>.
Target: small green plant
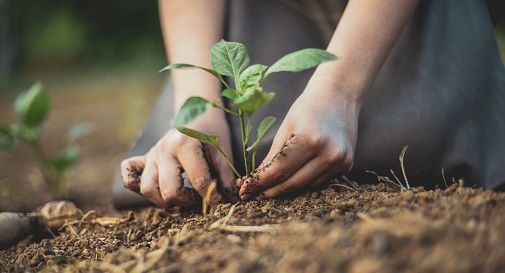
<point>31,109</point>
<point>245,93</point>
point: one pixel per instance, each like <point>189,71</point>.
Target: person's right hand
<point>161,168</point>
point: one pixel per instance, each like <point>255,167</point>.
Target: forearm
<point>363,39</point>
<point>190,28</point>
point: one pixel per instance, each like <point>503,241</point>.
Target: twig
<point>385,179</point>
<point>443,176</point>
<point>225,219</point>
<point>397,179</point>
<point>205,203</point>
<point>350,183</point>
<point>344,186</point>
<point>402,156</point>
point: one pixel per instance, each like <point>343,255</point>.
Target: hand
<point>315,141</point>
<point>162,167</point>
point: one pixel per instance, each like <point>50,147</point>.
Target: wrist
<point>340,80</point>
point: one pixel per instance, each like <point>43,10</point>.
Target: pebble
<point>234,238</point>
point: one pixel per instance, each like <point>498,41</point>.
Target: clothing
<point>441,89</point>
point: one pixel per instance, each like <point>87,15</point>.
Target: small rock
<point>233,238</point>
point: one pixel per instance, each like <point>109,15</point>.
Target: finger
<point>131,170</point>
<point>171,183</point>
<point>149,182</point>
<point>278,142</point>
<point>191,155</point>
<point>314,172</point>
<point>291,157</point>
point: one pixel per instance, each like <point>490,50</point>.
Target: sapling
<point>31,109</point>
<point>244,92</point>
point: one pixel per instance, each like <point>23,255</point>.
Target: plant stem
<point>244,142</point>
<point>50,175</point>
<point>228,161</point>
<point>253,159</point>
<point>223,81</point>
<point>215,104</point>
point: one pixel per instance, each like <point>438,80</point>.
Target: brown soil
<point>375,228</point>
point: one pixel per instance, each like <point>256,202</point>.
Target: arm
<point>318,135</point>
<point>190,28</point>
<point>364,37</point>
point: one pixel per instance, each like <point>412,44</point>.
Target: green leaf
<point>32,106</point>
<point>253,100</point>
<point>69,158</point>
<point>192,108</point>
<point>231,94</point>
<point>229,58</point>
<point>189,66</point>
<point>78,130</point>
<point>301,60</point>
<point>203,137</point>
<point>251,77</point>
<point>24,132</point>
<point>263,128</point>
<point>6,138</point>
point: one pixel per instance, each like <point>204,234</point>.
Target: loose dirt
<point>372,228</point>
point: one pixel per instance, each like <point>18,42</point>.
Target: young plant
<point>245,93</point>
<point>32,109</point>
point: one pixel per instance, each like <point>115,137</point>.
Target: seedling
<point>244,93</point>
<point>32,109</point>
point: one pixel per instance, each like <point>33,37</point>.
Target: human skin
<point>317,138</point>
<point>190,28</point>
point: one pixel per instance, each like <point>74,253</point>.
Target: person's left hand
<point>315,142</point>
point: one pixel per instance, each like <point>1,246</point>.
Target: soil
<point>370,228</point>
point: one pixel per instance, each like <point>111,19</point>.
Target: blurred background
<point>98,60</point>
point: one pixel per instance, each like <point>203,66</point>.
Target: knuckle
<point>316,140</point>
<point>169,195</point>
<point>276,173</point>
<point>337,155</point>
<point>147,191</point>
<point>200,183</point>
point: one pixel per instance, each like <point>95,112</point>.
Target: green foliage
<point>246,96</point>
<point>188,66</point>
<point>229,58</point>
<point>253,100</point>
<point>213,140</point>
<point>32,109</point>
<point>66,160</point>
<point>263,128</point>
<point>301,60</point>
<point>250,78</point>
<point>230,94</point>
<point>6,139</point>
<point>192,108</point>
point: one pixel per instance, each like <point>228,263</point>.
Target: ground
<point>341,228</point>
<point>337,229</point>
